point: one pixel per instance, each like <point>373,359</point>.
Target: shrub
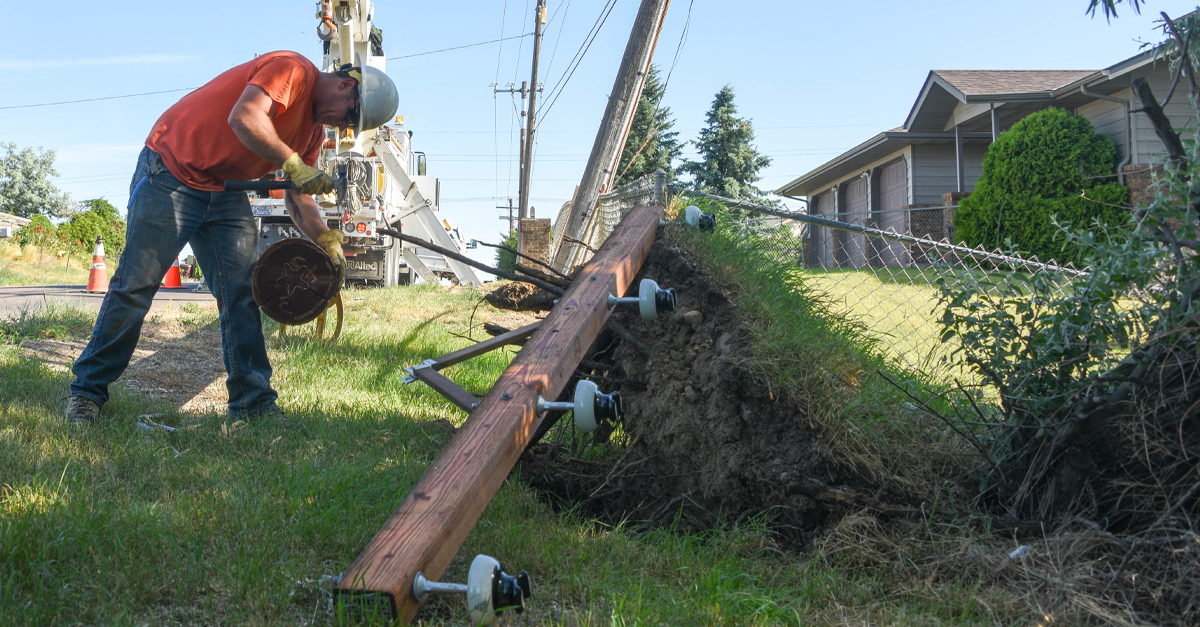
<point>39,230</point>
<point>504,259</point>
<point>1051,166</point>
<point>101,219</point>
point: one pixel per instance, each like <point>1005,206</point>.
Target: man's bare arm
<point>251,123</point>
<point>305,214</point>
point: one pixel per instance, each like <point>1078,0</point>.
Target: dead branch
<point>1162,126</point>
<point>1184,59</point>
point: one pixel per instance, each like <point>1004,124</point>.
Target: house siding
<point>1108,118</point>
<point>934,171</point>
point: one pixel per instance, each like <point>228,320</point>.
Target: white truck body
<point>386,186</point>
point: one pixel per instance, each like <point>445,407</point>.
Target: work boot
<point>273,416</point>
<point>83,410</point>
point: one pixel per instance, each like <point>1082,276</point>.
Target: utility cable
<point>50,104</point>
<point>566,9</point>
<point>577,59</point>
<point>495,99</point>
<point>482,43</point>
<point>573,64</point>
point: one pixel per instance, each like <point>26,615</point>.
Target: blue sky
<point>816,78</point>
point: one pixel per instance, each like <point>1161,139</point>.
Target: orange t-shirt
<point>199,147</point>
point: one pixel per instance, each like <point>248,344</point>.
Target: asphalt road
<point>36,296</point>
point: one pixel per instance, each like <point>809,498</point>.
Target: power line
<point>566,9</point>
<point>50,104</point>
<point>578,58</point>
<point>482,43</point>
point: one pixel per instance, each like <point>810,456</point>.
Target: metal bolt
<point>506,396</point>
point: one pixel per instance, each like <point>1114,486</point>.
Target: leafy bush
<point>101,219</point>
<point>39,230</point>
<point>1050,166</point>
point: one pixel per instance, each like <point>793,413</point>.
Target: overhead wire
<point>496,101</point>
<point>482,43</point>
<point>51,104</point>
<point>566,9</point>
<point>573,64</point>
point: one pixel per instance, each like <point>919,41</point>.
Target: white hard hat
<point>378,98</point>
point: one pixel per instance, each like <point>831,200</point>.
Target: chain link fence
<point>610,210</point>
<point>887,281</point>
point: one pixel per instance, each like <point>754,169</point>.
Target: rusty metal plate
<point>294,281</point>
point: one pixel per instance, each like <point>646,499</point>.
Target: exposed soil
<point>518,296</point>
<point>175,361</point>
<point>704,441</point>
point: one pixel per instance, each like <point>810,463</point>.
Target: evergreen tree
<point>25,187</point>
<point>504,259</point>
<point>651,144</point>
<point>729,163</point>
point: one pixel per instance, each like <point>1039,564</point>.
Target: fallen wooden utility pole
<point>614,126</point>
<point>428,528</point>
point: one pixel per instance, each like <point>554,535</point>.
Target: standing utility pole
<point>610,138</point>
<point>508,217</point>
<point>539,19</point>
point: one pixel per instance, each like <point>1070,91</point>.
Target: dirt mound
<point>520,297</point>
<point>703,441</point>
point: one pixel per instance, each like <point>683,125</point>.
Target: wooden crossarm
<point>428,528</point>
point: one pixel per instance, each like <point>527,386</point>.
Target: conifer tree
<point>729,163</point>
<point>651,144</point>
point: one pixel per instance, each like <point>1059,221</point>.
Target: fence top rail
<point>878,211</point>
<point>893,236</point>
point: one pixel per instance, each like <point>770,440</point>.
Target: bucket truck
<point>386,184</point>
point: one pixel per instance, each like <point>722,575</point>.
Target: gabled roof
<point>944,90</point>
<point>991,82</point>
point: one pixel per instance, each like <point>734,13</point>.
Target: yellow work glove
<point>308,180</point>
<point>331,241</point>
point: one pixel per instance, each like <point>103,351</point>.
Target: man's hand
<point>308,180</point>
<point>331,241</point>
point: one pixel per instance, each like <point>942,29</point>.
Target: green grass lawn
<point>221,523</point>
<point>898,312</point>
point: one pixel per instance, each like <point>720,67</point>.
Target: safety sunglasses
<point>353,114</point>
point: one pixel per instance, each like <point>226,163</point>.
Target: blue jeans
<point>164,214</point>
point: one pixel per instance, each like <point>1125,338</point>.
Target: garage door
<point>893,194</point>
<point>823,237</point>
<point>854,254</point>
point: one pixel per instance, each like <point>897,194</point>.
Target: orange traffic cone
<point>172,279</point>
<point>98,277</point>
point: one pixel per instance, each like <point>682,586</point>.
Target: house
<point>10,224</point>
<point>910,178</point>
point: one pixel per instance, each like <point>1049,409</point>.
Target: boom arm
<point>421,208</point>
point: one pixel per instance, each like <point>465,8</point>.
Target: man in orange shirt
<point>250,120</point>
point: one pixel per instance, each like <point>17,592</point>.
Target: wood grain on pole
<point>428,528</point>
<point>624,96</point>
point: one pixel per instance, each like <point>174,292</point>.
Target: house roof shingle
<point>985,82</point>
